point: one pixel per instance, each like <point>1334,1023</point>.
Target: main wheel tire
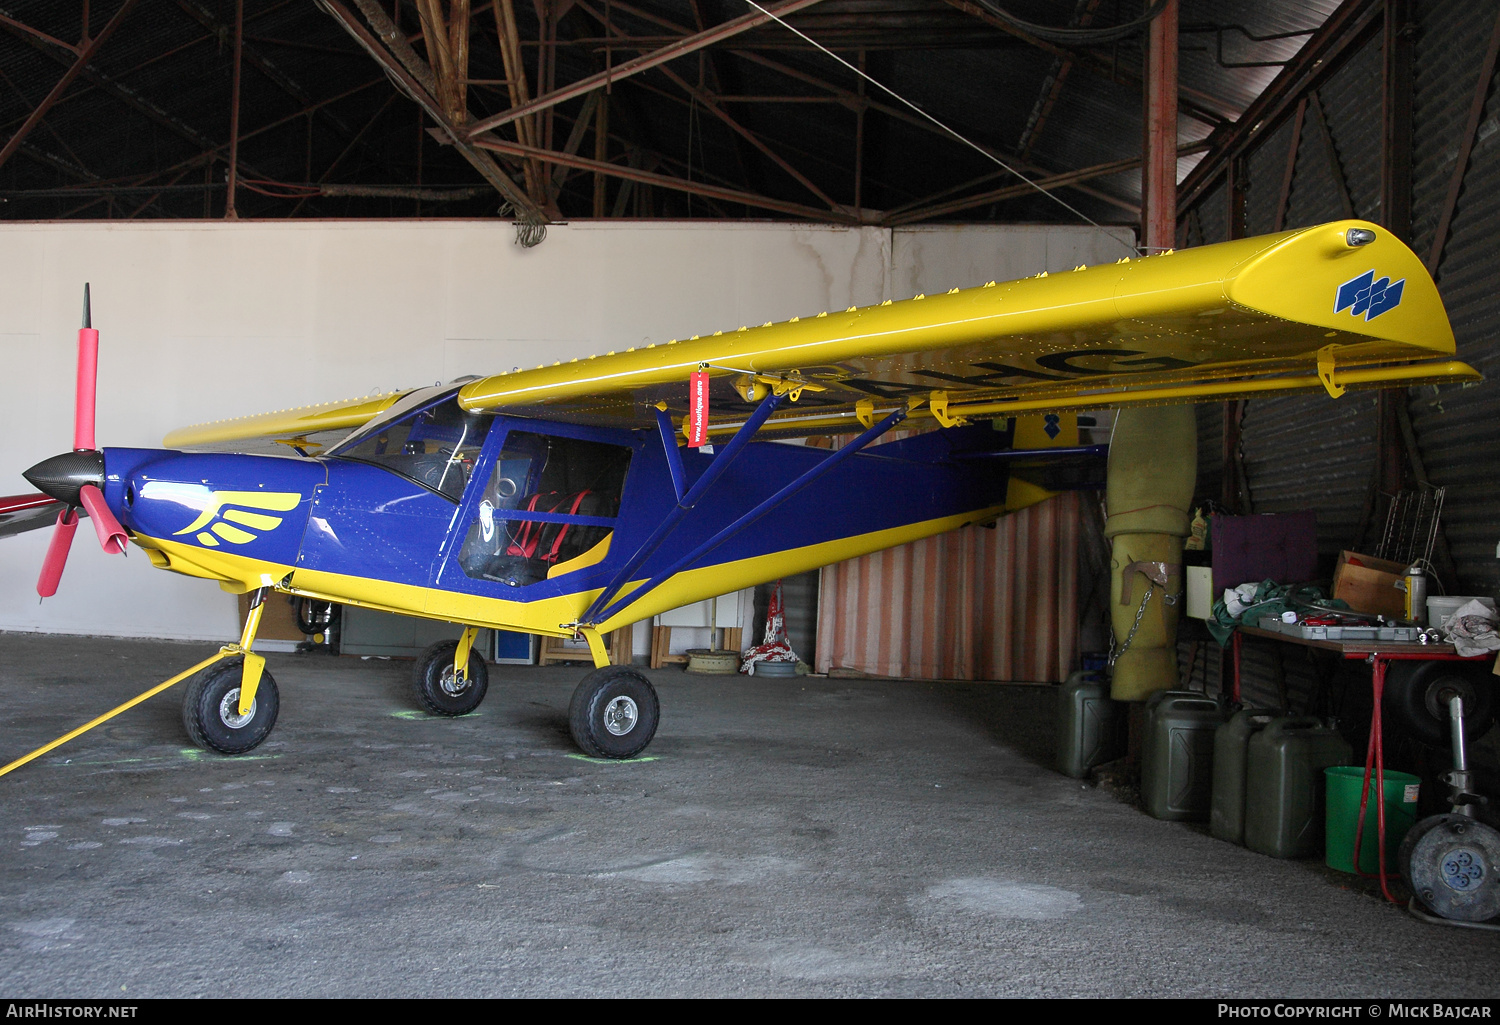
<point>210,709</point>
<point>1416,698</point>
<point>437,688</point>
<point>614,713</point>
<point>1454,867</point>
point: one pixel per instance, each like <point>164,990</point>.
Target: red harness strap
<point>530,535</point>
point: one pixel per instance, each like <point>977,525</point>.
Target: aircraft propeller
<point>75,478</point>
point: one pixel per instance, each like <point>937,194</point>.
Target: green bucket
<point>1344,784</point>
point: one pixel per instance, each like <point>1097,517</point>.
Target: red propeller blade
<point>88,379</point>
<point>111,534</point>
<point>20,513</point>
<point>57,553</point>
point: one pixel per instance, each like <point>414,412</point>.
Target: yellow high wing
<point>306,428</point>
<point>1216,322</point>
<point>1234,319</point>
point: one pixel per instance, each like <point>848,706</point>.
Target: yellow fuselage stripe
<point>553,616</point>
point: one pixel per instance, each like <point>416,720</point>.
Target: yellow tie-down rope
<point>223,652</point>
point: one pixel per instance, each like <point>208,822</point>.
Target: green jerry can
<point>1284,786</point>
<point>1090,727</point>
<point>1178,754</point>
<point>1226,813</point>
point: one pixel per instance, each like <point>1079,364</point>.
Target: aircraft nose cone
<point>62,476</point>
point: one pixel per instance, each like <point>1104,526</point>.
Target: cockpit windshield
<point>435,446</point>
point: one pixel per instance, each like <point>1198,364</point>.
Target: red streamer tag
<point>698,409</point>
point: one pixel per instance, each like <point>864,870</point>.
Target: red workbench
<point>1379,655</point>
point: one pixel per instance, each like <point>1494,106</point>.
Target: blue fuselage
<point>290,515</point>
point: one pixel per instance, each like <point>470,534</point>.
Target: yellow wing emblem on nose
<point>276,501</point>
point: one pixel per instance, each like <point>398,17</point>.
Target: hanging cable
<point>960,138</point>
<point>1076,36</point>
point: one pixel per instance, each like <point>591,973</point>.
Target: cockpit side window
<point>549,500</point>
<point>435,446</point>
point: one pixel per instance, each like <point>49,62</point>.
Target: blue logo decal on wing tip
<point>1051,429</point>
<point>1368,296</point>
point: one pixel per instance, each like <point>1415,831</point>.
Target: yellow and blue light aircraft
<point>562,500</point>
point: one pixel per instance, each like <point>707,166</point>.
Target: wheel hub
<point>229,711</point>
<point>621,715</point>
<point>1436,698</point>
<point>452,684</point>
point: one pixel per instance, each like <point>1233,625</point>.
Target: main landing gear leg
<point>614,711</point>
<point>231,706</point>
<point>449,679</point>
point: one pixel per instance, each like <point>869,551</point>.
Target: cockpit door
<point>543,505</point>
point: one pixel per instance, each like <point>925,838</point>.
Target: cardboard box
<point>277,623</point>
<point>1368,584</point>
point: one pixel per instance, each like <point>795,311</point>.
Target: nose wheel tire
<point>1453,867</point>
<point>614,713</point>
<point>439,691</point>
<point>211,709</point>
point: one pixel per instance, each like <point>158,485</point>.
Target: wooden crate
<point>553,650</point>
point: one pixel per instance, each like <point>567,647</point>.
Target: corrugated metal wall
<point>1458,429</point>
<point>1307,452</point>
<point>972,604</point>
<point>1291,441</point>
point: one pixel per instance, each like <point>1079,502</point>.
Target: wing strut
<point>674,457</point>
<point>684,504</point>
<point>750,517</point>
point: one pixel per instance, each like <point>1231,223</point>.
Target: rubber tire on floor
<point>206,697</point>
<point>1464,850</point>
<point>435,665</point>
<point>586,713</point>
<point>1414,700</point>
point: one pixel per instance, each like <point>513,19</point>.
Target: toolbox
<point>1317,632</point>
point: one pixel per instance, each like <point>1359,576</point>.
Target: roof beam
<point>857,101</point>
<point>1194,105</point>
<point>713,106</point>
<point>257,60</point>
<point>496,145</point>
<point>413,76</point>
<point>85,54</point>
<point>680,48</point>
<point>1044,184</point>
<point>1346,28</point>
<point>854,101</point>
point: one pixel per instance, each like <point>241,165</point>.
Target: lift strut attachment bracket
<point>1325,371</point>
<point>938,403</point>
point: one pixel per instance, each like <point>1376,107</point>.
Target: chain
<point>1139,615</point>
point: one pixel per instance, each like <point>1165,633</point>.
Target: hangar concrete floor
<point>806,837</point>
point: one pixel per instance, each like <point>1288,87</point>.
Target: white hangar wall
<point>202,321</point>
